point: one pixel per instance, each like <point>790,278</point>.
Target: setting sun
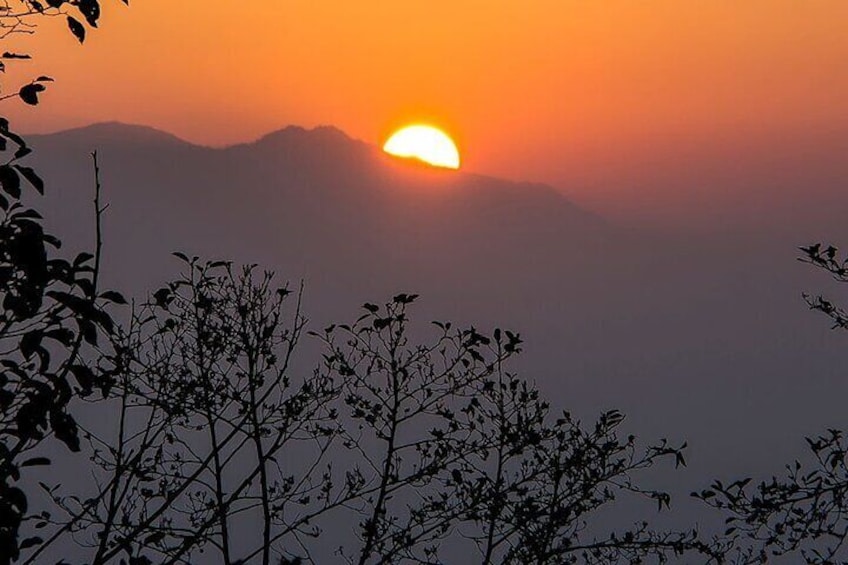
<point>426,143</point>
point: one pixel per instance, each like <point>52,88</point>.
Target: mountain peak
<point>117,132</point>
<point>299,134</point>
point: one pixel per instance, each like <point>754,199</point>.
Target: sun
<point>429,144</point>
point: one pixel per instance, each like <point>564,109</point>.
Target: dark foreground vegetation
<point>183,417</point>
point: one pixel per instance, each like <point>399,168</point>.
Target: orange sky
<point>525,87</point>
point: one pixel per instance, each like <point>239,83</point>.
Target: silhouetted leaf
<point>31,176</point>
<point>30,342</point>
<point>154,538</point>
<point>76,28</point>
<point>10,181</point>
<point>30,542</point>
<point>29,93</point>
<point>91,10</point>
<point>113,296</point>
<point>85,377</point>
<point>162,297</point>
<point>88,331</point>
<point>65,429</point>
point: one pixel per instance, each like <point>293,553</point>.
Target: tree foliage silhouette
<point>51,307</point>
<point>804,512</point>
<point>419,447</point>
<point>51,311</point>
<point>201,388</point>
<point>23,17</point>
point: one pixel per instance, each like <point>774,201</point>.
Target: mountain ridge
<point>295,146</point>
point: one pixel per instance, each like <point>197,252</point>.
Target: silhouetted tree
<point>453,447</point>
<point>418,446</point>
<point>804,512</point>
<point>206,408</point>
<point>51,310</point>
<point>51,307</point>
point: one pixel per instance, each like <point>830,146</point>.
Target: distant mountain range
<point>318,198</point>
<point>703,337</point>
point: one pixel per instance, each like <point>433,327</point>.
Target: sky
<point>561,91</point>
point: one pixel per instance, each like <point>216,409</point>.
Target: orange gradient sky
<point>525,88</point>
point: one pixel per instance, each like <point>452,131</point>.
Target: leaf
<point>10,181</point>
<point>154,538</point>
<point>82,259</point>
<point>29,93</point>
<point>27,214</point>
<point>88,331</point>
<point>36,462</point>
<point>65,429</point>
<point>29,542</point>
<point>103,319</point>
<point>75,304</point>
<point>76,28</point>
<point>63,335</point>
<point>91,10</point>
<point>115,297</point>
<point>85,377</point>
<point>162,297</point>
<point>30,342</point>
<point>31,176</point>
<point>4,131</point>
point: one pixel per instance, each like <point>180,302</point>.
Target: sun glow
<point>429,144</point>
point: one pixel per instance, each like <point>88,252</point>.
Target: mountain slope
<point>317,201</point>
